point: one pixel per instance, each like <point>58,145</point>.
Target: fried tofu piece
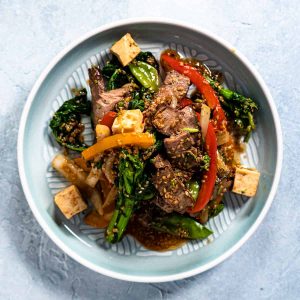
<point>246,181</point>
<point>126,49</point>
<point>128,121</point>
<point>70,201</point>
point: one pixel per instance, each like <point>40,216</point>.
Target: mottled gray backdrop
<point>33,32</point>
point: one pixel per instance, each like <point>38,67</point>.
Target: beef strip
<point>184,175</point>
<point>166,120</point>
<point>188,118</point>
<point>178,82</point>
<point>104,101</point>
<point>162,204</point>
<point>183,151</point>
<point>147,212</point>
<point>170,121</point>
<point>97,87</point>
<point>175,87</point>
<point>173,196</point>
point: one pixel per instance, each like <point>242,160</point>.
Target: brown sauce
<point>152,239</point>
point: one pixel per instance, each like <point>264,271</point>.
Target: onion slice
<point>204,119</point>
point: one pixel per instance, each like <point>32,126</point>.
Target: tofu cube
<point>69,201</point>
<point>126,49</point>
<point>128,121</point>
<point>245,182</point>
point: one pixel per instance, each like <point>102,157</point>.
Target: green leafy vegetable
<point>131,176</point>
<point>139,97</point>
<point>238,107</point>
<point>148,58</point>
<point>136,104</point>
<point>116,74</point>
<point>117,80</point>
<point>66,123</point>
<point>110,67</point>
<point>145,74</point>
<point>181,226</point>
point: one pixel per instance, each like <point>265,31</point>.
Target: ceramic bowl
<point>128,260</point>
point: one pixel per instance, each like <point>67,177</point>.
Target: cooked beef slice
<point>173,194</point>
<point>183,174</point>
<point>104,101</point>
<point>174,87</point>
<point>183,151</point>
<point>97,87</point>
<point>170,121</point>
<point>188,118</point>
<point>178,82</point>
<point>162,204</point>
<point>166,120</point>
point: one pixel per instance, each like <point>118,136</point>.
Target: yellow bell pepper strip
<point>143,140</point>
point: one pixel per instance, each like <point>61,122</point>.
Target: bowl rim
<point>46,227</point>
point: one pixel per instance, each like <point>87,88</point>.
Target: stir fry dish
<point>168,140</point>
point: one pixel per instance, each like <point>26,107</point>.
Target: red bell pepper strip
<point>209,176</point>
<point>185,102</point>
<point>108,119</point>
<point>201,84</point>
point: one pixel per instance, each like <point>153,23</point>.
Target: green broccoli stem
<point>111,233</point>
<point>226,93</point>
<point>120,220</point>
<point>239,107</point>
<point>131,173</point>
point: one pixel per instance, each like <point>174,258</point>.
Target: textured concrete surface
<point>32,32</point>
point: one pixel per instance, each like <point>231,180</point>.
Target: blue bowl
<point>128,260</point>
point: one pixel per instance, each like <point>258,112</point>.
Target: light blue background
<point>33,32</point>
